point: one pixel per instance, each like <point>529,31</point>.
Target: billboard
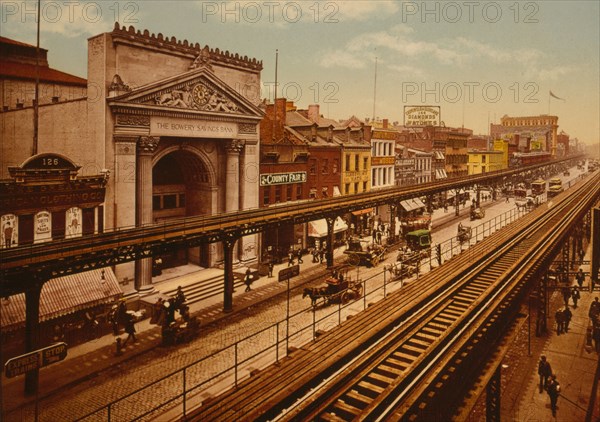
<point>420,116</point>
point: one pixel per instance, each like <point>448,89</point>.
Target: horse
<point>314,293</point>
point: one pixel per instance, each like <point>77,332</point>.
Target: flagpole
<point>549,103</point>
<point>36,118</point>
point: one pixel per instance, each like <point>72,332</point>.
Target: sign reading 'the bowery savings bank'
<point>268,179</point>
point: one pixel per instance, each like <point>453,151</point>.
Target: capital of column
<point>146,145</point>
<point>235,146</point>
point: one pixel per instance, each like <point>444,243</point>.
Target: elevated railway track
<point>113,247</point>
<point>411,356</point>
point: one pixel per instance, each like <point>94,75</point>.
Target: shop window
<point>298,191</point>
<point>169,201</point>
<point>266,195</point>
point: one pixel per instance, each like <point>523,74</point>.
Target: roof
<point>64,295</point>
<point>4,40</point>
<point>27,71</point>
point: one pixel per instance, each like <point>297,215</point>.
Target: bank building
<point>169,129</point>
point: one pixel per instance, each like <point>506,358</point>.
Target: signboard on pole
<point>420,116</point>
<point>289,272</point>
<point>35,360</point>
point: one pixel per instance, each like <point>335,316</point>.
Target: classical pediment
<point>198,91</point>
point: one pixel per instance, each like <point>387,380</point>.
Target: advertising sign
<point>420,116</point>
<point>268,179</point>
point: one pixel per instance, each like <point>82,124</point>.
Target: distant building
<point>528,133</point>
<point>485,161</point>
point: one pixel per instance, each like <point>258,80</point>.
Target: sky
<point>476,60</point>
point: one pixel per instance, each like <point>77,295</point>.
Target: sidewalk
<point>572,360</point>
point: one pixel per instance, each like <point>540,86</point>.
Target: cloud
<point>341,58</point>
<point>363,10</point>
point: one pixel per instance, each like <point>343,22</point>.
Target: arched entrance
<point>181,187</point>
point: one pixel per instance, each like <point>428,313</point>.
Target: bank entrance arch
<point>183,185</point>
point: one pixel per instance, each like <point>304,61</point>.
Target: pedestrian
<point>270,269</point>
<point>248,280</point>
<point>594,309</point>
<point>130,330</point>
<point>544,371</point>
<point>315,255</point>
<point>321,255</point>
<point>378,235</point>
<point>299,254</point>
<point>559,321</point>
<point>179,297</point>
<point>553,392</point>
<point>156,311</point>
<point>580,277</point>
<point>581,255</point>
<point>507,198</point>
<point>290,258</point>
<point>566,294</point>
<point>596,336</point>
<point>566,319</point>
<point>575,295</point>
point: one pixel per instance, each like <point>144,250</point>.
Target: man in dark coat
<point>553,392</point>
<point>544,371</point>
<point>130,330</point>
<point>248,280</point>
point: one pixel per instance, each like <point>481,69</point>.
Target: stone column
<point>232,182</point>
<point>145,149</point>
<point>330,235</point>
<point>32,330</point>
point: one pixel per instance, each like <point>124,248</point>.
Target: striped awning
<point>64,295</point>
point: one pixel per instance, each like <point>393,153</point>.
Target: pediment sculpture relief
<point>198,97</point>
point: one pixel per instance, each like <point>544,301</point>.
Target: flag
<point>554,96</point>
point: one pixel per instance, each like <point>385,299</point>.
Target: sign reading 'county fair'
<point>421,116</point>
<point>269,179</point>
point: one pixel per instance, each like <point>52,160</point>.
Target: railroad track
<point>398,357</point>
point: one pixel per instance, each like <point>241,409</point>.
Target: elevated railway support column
<point>329,255</point>
<point>541,321</point>
<point>492,399</point>
<point>32,329</point>
<point>595,257</point>
<point>145,149</point>
<point>228,247</point>
<point>392,231</point>
<point>566,263</point>
<point>574,243</point>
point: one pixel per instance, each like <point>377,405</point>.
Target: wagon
<point>401,270</point>
<point>338,289</point>
<point>477,213</point>
<point>464,233</point>
<point>369,255</point>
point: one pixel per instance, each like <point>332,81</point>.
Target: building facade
<point>175,124</point>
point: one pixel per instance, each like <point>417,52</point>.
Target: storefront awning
<point>64,295</point>
<point>412,204</point>
<point>361,212</point>
<point>439,155</point>
<point>441,174</point>
<point>318,228</point>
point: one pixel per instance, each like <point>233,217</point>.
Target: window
<point>365,162</point>
<point>278,193</point>
<point>346,188</point>
<point>156,202</point>
<point>266,195</point>
<point>355,187</point>
<point>335,165</point>
<point>289,190</point>
<point>325,166</point>
<point>347,162</point>
<point>313,193</point>
<point>325,192</point>
<point>313,166</point>
<point>364,187</point>
<point>169,201</point>
<point>356,162</point>
<point>298,191</point>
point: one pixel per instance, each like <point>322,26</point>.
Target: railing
<point>186,388</point>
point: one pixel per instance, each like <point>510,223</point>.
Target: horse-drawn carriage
<point>401,270</point>
<point>339,288</point>
<point>369,255</point>
<point>464,233</point>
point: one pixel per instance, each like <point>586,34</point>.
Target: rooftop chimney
<point>385,123</point>
<point>313,113</point>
